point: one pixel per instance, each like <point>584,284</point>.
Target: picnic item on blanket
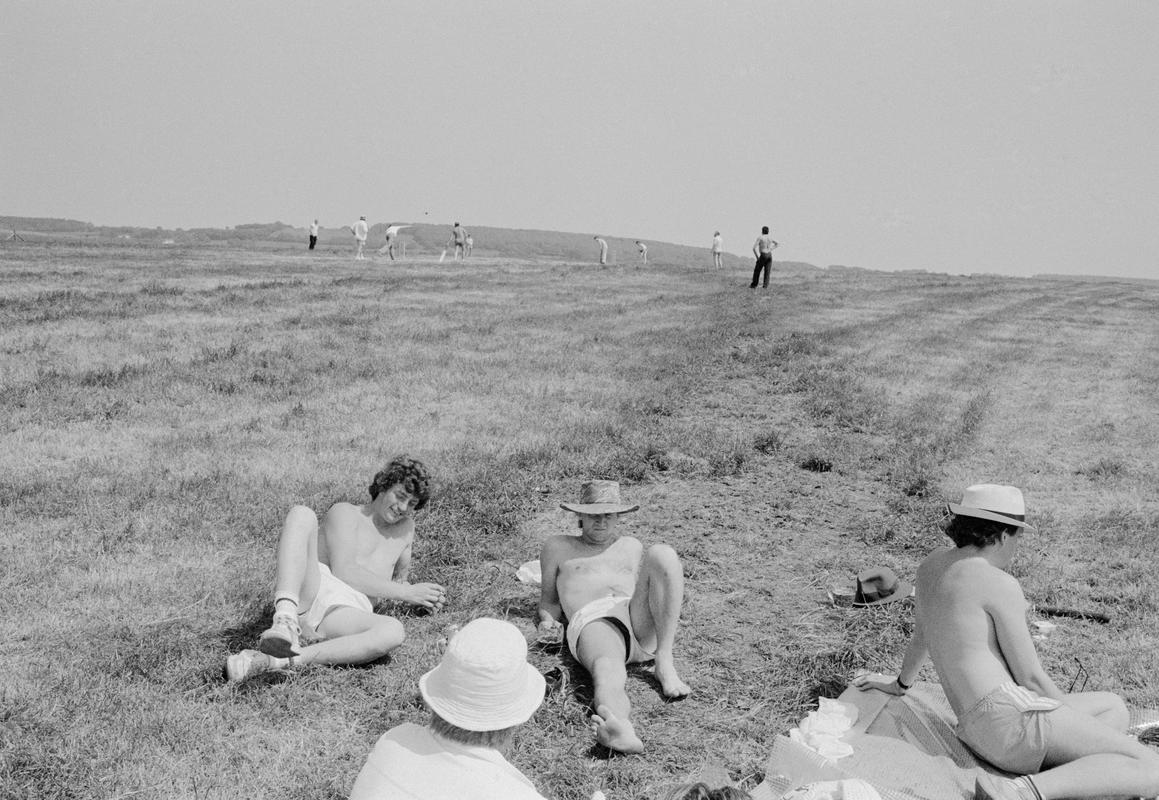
<point>530,572</point>
<point>821,730</point>
<point>904,747</point>
<point>993,502</point>
<point>599,497</point>
<point>879,585</point>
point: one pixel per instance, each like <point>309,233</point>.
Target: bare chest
<point>373,549</point>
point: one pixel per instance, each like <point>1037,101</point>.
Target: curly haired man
<point>327,574</point>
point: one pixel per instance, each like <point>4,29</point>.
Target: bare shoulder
<point>629,547</point>
<point>342,515</point>
<point>1001,587</point>
<point>558,544</point>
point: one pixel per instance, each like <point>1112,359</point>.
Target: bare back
<point>956,612</point>
<point>584,572</point>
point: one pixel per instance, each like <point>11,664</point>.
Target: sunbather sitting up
<point>971,621</point>
<point>622,605</point>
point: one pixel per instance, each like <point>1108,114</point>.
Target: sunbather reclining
<point>622,605</point>
<point>327,575</point>
<point>971,621</point>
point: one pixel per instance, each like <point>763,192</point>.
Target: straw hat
<point>599,497</point>
<point>879,585</point>
<point>993,502</point>
<point>484,682</point>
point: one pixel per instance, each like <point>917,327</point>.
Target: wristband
<point>902,686</point>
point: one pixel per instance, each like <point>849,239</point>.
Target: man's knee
<point>300,520</point>
<point>663,558</point>
<point>606,669</point>
<point>388,634</point>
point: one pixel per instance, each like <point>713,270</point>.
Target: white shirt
<point>412,763</point>
<point>361,229</point>
<point>717,244</point>
<point>313,228</point>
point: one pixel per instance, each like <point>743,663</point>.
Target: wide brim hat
<point>484,682</point>
<point>877,586</point>
<point>993,502</point>
<point>600,497</point>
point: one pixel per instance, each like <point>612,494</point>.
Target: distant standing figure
<point>470,243</point>
<point>717,250</point>
<point>643,248</point>
<point>459,239</point>
<point>603,249</point>
<point>313,234</point>
<point>360,229</point>
<point>763,249</point>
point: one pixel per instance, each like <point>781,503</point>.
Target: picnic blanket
<point>905,747</point>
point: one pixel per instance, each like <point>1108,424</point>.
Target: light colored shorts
<point>613,608</point>
<point>1010,728</point>
<point>332,594</point>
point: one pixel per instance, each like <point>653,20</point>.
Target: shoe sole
<point>277,647</point>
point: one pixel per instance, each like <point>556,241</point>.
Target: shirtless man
<point>971,621</point>
<point>459,240</point>
<point>327,575</point>
<point>622,606</point>
<point>763,249</point>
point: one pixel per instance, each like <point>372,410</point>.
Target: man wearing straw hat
<point>622,605</point>
<point>481,691</point>
<point>971,621</point>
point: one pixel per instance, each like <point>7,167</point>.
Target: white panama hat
<point>484,682</point>
<point>993,502</point>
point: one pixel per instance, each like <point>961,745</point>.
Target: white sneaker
<point>280,640</point>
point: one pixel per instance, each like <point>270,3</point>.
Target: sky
<point>960,137</point>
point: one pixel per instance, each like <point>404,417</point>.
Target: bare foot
<point>616,734</point>
<point>670,682</point>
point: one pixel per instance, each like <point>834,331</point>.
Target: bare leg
<point>1107,707</point>
<point>1088,758</point>
<point>353,636</point>
<point>297,577</point>
<point>655,611</point>
<point>602,652</point>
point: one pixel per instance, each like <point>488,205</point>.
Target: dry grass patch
<point>164,408</point>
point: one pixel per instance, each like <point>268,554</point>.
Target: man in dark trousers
<point>763,249</point>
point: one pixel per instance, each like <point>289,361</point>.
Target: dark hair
<point>410,472</point>
<point>765,229</point>
<point>496,740</point>
<point>700,791</point>
<point>966,530</point>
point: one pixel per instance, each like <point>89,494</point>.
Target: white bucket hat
<point>484,682</point>
<point>993,502</point>
<point>599,497</point>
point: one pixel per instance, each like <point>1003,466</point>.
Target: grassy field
<point>162,408</point>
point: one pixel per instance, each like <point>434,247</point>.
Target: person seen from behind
<point>970,620</point>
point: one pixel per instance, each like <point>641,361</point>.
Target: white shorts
<point>332,594</point>
<point>614,608</point>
